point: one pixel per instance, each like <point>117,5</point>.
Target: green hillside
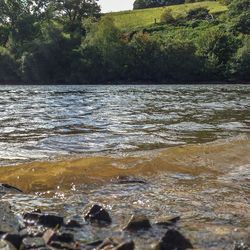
<point>141,18</point>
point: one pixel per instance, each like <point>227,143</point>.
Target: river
<point>67,147</point>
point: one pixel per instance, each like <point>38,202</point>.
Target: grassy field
<point>127,20</point>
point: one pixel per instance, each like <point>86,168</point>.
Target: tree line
<point>69,41</point>
<point>143,4</point>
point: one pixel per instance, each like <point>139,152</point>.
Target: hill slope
<point>127,20</point>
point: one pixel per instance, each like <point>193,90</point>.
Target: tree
<point>19,19</point>
<point>217,47</point>
<point>239,15</point>
<point>8,67</point>
<point>75,10</point>
<point>145,58</point>
<point>104,40</point>
<point>241,62</point>
<point>12,11</point>
<point>48,58</point>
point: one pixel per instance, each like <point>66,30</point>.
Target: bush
<point>167,16</point>
<point>241,63</point>
<point>199,13</point>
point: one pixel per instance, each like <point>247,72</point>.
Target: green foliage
<point>241,62</point>
<point>199,13</point>
<point>139,19</point>
<point>65,41</point>
<point>104,37</point>
<point>217,47</point>
<point>144,58</point>
<point>48,59</point>
<point>167,16</point>
<point>239,16</point>
<point>75,10</point>
<point>238,7</point>
<point>8,67</point>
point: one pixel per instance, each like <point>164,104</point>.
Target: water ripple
<point>45,121</point>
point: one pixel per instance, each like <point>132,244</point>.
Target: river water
<point>68,146</point>
<point>48,121</point>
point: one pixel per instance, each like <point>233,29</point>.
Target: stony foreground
<point>38,230</point>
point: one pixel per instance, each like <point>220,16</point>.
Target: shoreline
<point>119,83</point>
<point>198,200</point>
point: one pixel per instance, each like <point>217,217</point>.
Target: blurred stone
<point>4,245</point>
<point>98,214</point>
<point>31,218</point>
<point>169,222</point>
<point>173,240</point>
<point>32,242</point>
<point>138,222</point>
<point>52,235</point>
<point>14,239</point>
<point>126,246</point>
<point>116,244</point>
<point>51,221</point>
<point>8,221</point>
<point>73,224</point>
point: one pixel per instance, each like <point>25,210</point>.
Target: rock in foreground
<point>98,214</point>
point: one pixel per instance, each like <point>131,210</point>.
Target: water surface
<point>40,122</point>
<point>185,148</point>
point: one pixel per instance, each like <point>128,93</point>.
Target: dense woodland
<point>69,41</point>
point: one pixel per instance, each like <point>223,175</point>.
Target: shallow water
<point>208,185</point>
<point>185,150</point>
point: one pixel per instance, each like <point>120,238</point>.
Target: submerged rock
<point>6,188</point>
<point>138,222</point>
<point>128,180</point>
<point>173,240</point>
<point>98,214</point>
